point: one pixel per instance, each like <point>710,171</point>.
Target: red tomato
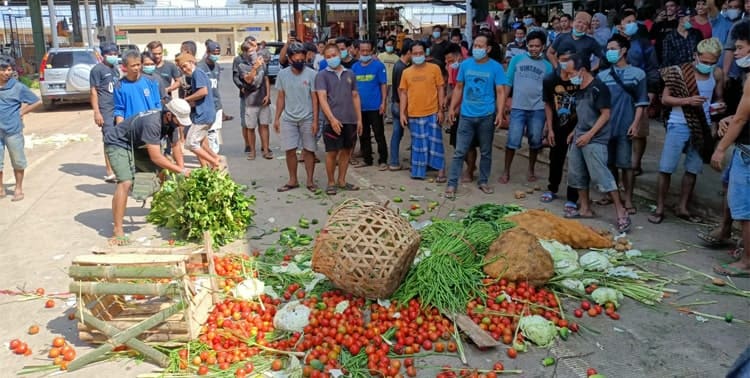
<point>585,305</point>
<point>498,366</point>
<point>590,372</point>
<point>578,313</point>
<point>512,353</point>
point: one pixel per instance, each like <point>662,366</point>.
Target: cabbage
<point>603,295</point>
<point>538,329</point>
<point>595,261</point>
<point>564,257</point>
<point>573,284</point>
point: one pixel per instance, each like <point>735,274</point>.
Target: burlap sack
<point>547,226</point>
<point>517,256</point>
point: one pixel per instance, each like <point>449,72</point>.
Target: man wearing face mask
<point>166,70</point>
<point>577,40</point>
<point>389,58</point>
<point>627,87</point>
<point>210,66</point>
<point>525,72</point>
<point>518,46</point>
<point>529,21</point>
<point>679,45</point>
<point>734,73</point>
<point>103,79</point>
<point>345,50</point>
<point>439,45</point>
<point>664,23</point>
<point>134,93</point>
<point>372,83</point>
<point>398,130</point>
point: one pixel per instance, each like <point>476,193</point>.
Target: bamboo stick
<point>111,272</point>
<point>116,288</point>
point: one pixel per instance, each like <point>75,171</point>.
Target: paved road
<point>67,211</point>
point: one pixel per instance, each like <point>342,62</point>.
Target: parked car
<point>274,48</point>
<point>64,75</point>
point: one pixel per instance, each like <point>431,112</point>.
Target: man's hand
<point>550,137</point>
<point>570,136</point>
<point>266,100</point>
<point>98,119</point>
<point>498,120</point>
<point>360,128</point>
<point>259,62</point>
<point>695,101</point>
<point>724,125</point>
<point>382,108</point>
<point>404,121</point>
<point>277,127</point>
<point>186,172</point>
<point>315,127</point>
<point>584,139</point>
<point>633,129</point>
<point>716,159</point>
<point>336,126</point>
<point>440,117</point>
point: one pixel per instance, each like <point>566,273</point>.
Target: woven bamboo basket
<point>365,249</point>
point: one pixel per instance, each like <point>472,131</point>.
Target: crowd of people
<point>586,86</point>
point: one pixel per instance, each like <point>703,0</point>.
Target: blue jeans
<point>620,152</point>
<point>677,141</point>
<point>738,194</point>
<point>468,128</point>
<point>15,144</point>
<point>525,122</point>
<point>398,133</point>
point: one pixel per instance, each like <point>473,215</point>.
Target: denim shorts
<point>725,174</point>
<point>587,164</point>
<point>677,141</point>
<point>620,152</point>
<point>14,143</point>
<point>738,194</point>
<point>525,122</point>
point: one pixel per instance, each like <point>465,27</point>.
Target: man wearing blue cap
<point>103,79</point>
<point>209,64</point>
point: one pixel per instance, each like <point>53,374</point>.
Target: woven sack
<point>365,249</point>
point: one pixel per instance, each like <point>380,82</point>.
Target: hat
<point>684,12</point>
<point>108,48</point>
<point>212,46</point>
<point>181,110</point>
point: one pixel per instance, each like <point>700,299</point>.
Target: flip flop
<point>287,188</point>
<point>631,210</point>
<point>656,218</point>
<point>331,191</point>
<point>712,242</point>
<point>689,218</point>
<point>531,178</point>
<point>441,179</point>
<point>604,201</point>
<point>268,155</point>
<point>394,168</point>
<point>313,188</point>
<point>736,253</point>
<point>730,271</point>
<point>577,215</point>
<point>547,197</point>
<point>17,197</point>
<point>112,179</point>
<point>486,189</point>
<point>637,172</point>
<point>624,224</point>
<point>450,194</point>
<point>349,187</point>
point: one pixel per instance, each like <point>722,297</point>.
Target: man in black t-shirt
<point>134,145</point>
<point>439,46</point>
<point>398,131</point>
<point>103,79</point>
<point>578,41</point>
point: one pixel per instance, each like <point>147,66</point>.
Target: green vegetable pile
<point>492,213</point>
<point>208,200</point>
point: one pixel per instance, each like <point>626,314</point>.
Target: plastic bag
<point>292,317</point>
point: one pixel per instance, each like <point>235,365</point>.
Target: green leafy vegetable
<point>538,329</point>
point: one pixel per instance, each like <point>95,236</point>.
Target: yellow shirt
<point>400,40</point>
<point>389,60</point>
<point>422,83</point>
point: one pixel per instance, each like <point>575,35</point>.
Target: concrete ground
<point>67,211</point>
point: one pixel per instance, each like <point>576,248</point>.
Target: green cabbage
<point>573,284</point>
<point>539,330</point>
<point>603,295</point>
<point>595,261</point>
<point>564,257</point>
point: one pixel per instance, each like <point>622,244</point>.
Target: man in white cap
<point>135,146</point>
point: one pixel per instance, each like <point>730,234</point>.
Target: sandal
<point>331,190</point>
<point>637,172</point>
<point>394,168</point>
<point>712,242</point>
<point>578,215</point>
<point>570,207</point>
<point>656,218</point>
<point>441,179</point>
<point>312,188</point>
<point>486,189</point>
<point>268,155</point>
<point>548,197</point>
<point>287,188</point>
<point>349,187</point>
<point>361,165</point>
<point>450,193</point>
<point>730,271</point>
<point>112,179</point>
<point>382,167</point>
<point>736,253</point>
<point>251,155</point>
<point>631,210</point>
<point>689,218</point>
<point>624,224</point>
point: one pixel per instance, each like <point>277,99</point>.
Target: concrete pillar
<point>75,19</point>
<point>372,23</point>
<point>52,23</point>
<point>37,30</point>
<point>279,35</point>
<point>89,25</point>
<point>99,4</point>
<point>111,29</point>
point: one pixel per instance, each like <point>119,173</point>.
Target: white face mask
<point>743,62</point>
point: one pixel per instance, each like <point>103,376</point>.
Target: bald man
<point>577,41</point>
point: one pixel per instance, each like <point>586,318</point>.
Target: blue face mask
<point>455,65</point>
<point>417,59</point>
<point>563,65</point>
<point>576,33</point>
<point>520,41</point>
<point>704,68</point>
<point>427,52</point>
<point>436,34</point>
<point>111,59</point>
<point>613,56</point>
<point>333,62</point>
<point>365,58</point>
<point>528,21</point>
<point>149,69</point>
<point>732,14</point>
<point>214,58</point>
<point>532,56</point>
<point>389,49</point>
<point>478,53</point>
<point>631,28</point>
<point>687,25</point>
<point>576,80</point>
<point>344,54</point>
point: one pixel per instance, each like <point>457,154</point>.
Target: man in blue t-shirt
<point>372,83</point>
<point>479,80</point>
<point>134,93</point>
<point>525,72</point>
<point>16,100</point>
<point>203,114</point>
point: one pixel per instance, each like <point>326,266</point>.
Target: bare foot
<point>17,197</point>
<point>467,177</point>
<point>504,179</point>
<point>531,177</point>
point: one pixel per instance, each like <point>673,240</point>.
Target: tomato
<point>490,374</point>
<point>240,373</point>
<point>498,366</point>
<point>598,309</point>
<point>439,347</point>
<point>408,362</point>
<point>53,353</point>
<point>411,371</point>
<point>58,342</point>
<point>224,366</point>
<point>49,304</point>
<point>615,316</point>
<point>573,327</point>
<point>512,353</point>
<point>40,291</point>
<point>590,372</point>
<point>427,345</point>
<point>452,347</point>
<point>592,312</point>
<point>69,355</point>
<point>609,311</point>
<point>277,365</point>
<point>14,343</point>
<point>585,305</point>
<point>203,370</point>
<point>578,313</point>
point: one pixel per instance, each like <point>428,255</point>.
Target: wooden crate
<point>125,290</point>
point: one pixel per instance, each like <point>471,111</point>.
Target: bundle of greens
<point>492,213</point>
<point>208,200</point>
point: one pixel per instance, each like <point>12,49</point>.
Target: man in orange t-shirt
<point>422,96</point>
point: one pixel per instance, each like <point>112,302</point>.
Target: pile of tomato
<point>229,269</point>
<point>507,301</point>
